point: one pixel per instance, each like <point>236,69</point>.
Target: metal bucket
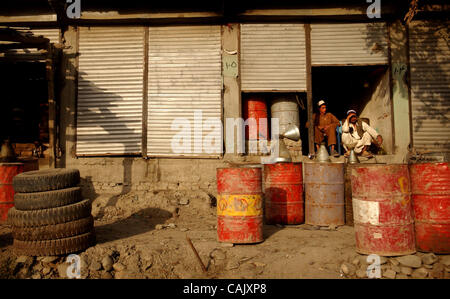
<point>430,184</point>
<point>285,108</point>
<point>283,192</point>
<point>7,172</point>
<point>239,205</point>
<point>324,194</point>
<point>382,209</point>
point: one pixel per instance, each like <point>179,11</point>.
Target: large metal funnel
<point>322,154</point>
<point>292,133</point>
<point>352,158</point>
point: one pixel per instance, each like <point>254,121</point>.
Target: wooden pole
<point>196,254</point>
<point>309,102</point>
<point>51,106</point>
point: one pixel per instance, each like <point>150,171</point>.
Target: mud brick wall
<point>113,175</point>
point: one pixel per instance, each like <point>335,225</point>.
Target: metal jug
<point>7,153</point>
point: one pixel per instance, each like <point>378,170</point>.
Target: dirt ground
<point>144,236</point>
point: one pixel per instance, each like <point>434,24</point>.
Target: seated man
<point>325,124</point>
<point>358,133</point>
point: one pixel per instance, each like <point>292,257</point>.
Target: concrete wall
<point>378,110</point>
<point>117,176</point>
<point>400,89</point>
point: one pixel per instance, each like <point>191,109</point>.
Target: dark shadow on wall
<point>101,110</point>
<point>429,48</point>
<point>102,122</point>
<point>430,76</point>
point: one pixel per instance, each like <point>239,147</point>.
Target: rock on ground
<point>348,269</point>
<point>107,263</point>
<point>406,270</point>
<point>389,274</point>
<point>420,273</point>
<point>429,258</point>
<point>412,261</point>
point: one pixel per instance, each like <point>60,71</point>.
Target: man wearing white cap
<point>325,124</point>
<point>359,134</point>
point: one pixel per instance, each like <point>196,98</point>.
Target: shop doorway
<point>24,113</point>
<point>365,89</point>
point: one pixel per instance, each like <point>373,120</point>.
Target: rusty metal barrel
<point>7,172</point>
<point>285,108</point>
<point>430,184</point>
<point>324,193</point>
<point>255,107</point>
<point>283,193</point>
<point>382,209</point>
<point>239,205</point>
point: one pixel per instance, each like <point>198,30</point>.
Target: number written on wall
<point>230,65</point>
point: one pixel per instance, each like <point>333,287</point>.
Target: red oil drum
<point>382,209</point>
<point>324,194</point>
<point>7,172</point>
<point>255,107</point>
<point>283,192</point>
<point>430,184</point>
<point>239,205</point>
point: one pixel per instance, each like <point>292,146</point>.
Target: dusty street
<point>149,241</point>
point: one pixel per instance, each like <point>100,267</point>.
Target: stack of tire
<point>50,217</point>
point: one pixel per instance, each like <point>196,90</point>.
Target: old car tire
<point>54,231</point>
<point>47,199</point>
<point>54,247</point>
<point>58,215</point>
<point>45,180</point>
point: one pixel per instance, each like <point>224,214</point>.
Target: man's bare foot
<point>347,153</point>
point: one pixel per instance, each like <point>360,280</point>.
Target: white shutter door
<point>430,85</point>
<point>273,57</point>
<point>110,90</point>
<point>184,77</point>
<point>349,44</point>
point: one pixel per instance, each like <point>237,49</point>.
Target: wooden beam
<point>309,12</point>
<point>51,107</point>
<point>115,15</point>
<point>29,18</point>
<point>11,35</point>
<point>15,45</point>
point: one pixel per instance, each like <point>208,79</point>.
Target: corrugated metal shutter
<point>184,76</point>
<point>273,57</point>
<point>349,44</point>
<point>32,54</point>
<point>51,33</point>
<point>430,85</point>
<point>110,90</point>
